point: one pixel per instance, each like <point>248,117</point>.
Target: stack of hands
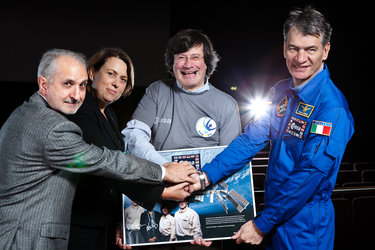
<point>185,179</point>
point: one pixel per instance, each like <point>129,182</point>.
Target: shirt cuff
<point>162,172</point>
<point>262,224</point>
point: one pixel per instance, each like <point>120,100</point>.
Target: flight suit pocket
<point>293,145</point>
<point>333,149</point>
<point>325,152</point>
<point>291,139</point>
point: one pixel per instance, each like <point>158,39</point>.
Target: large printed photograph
<point>213,214</point>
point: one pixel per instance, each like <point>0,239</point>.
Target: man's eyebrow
<point>74,81</point>
<point>69,80</point>
<point>308,47</point>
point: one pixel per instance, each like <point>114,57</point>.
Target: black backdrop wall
<point>246,35</point>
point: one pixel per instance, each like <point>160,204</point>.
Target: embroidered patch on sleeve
<point>296,127</point>
<point>321,128</point>
<point>282,106</point>
<point>304,109</point>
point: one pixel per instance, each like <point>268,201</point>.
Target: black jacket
<point>98,200</point>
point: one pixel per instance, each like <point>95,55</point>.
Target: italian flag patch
<point>321,128</point>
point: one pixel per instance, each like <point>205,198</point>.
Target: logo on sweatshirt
<point>205,127</point>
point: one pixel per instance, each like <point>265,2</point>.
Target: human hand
<point>122,246</point>
<point>119,239</point>
<point>201,242</point>
<point>196,186</point>
<point>176,192</point>
<point>249,233</point>
<point>179,172</point>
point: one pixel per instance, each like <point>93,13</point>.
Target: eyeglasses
<point>182,59</point>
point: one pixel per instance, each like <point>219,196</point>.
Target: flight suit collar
<point>309,92</point>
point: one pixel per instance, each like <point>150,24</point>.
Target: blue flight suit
<point>308,130</point>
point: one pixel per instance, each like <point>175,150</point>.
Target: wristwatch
<point>202,178</point>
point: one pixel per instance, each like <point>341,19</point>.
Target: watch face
<point>201,176</point>
<point>202,180</point>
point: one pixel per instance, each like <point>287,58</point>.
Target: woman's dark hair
<point>101,57</point>
<point>186,39</point>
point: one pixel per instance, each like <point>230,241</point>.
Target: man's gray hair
<point>308,21</point>
<point>47,65</point>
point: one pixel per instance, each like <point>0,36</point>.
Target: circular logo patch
<point>205,127</point>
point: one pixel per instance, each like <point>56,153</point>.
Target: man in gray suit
<point>41,152</point>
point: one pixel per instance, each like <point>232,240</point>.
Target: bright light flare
<point>258,107</point>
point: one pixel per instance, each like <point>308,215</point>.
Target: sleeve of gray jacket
<point>65,149</point>
<point>137,136</point>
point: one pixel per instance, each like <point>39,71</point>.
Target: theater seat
<point>343,222</point>
<point>360,166</point>
<point>364,221</point>
<point>259,179</point>
<point>368,175</point>
<point>344,176</point>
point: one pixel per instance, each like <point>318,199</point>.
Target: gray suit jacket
<point>40,152</point>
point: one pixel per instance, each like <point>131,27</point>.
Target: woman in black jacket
<point>97,203</point>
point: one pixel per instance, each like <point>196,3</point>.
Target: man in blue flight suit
<point>308,125</point>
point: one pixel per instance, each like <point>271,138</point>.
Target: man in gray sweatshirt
<point>185,111</point>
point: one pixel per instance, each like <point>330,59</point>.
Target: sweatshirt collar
<point>202,89</point>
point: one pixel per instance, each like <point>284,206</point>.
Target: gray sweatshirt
<point>168,117</point>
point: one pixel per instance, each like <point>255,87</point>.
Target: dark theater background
<point>248,38</point>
